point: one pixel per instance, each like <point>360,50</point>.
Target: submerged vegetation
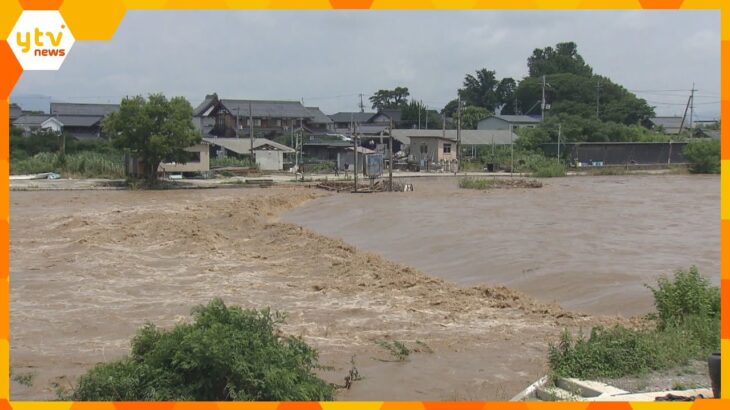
<point>686,326</point>
<point>491,183</point>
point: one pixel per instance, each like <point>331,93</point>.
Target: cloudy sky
<point>329,57</point>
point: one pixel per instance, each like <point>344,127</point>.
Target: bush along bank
<point>686,326</point>
<point>226,353</point>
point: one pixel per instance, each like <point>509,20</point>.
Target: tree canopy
<point>395,98</point>
<point>564,58</point>
<point>154,130</point>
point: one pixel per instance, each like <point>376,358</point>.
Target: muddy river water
<point>589,243</point>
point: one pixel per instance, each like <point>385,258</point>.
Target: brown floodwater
<point>588,243</point>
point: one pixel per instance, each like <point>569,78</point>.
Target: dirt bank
<point>89,268</point>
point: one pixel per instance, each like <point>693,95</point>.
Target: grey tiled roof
<point>78,120</point>
<point>319,116</point>
<point>31,119</point>
<point>15,111</point>
<point>355,116</point>
<point>98,110</point>
<point>267,109</point>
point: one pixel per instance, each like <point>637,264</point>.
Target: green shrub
<point>475,183</point>
<point>542,167</point>
<point>704,156</point>
<point>687,295</point>
<point>687,327</point>
<point>226,353</point>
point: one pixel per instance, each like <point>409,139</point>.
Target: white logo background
<point>47,22</point>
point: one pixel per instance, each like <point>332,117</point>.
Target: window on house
<point>424,149</point>
<point>447,148</point>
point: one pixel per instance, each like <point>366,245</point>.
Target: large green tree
<point>411,112</point>
<point>395,98</point>
<point>471,115</point>
<point>153,130</point>
<point>564,58</point>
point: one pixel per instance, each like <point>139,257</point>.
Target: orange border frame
<point>98,19</point>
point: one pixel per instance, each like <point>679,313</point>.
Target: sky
<point>327,58</point>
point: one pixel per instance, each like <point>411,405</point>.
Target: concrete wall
<point>192,166</point>
<point>270,160</point>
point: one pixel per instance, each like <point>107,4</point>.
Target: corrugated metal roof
<point>267,109</point>
<point>243,145</point>
<point>98,110</point>
<point>516,119</point>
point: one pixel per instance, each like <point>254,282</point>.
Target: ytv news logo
<point>41,40</point>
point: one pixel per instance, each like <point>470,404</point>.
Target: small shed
<point>269,155</point>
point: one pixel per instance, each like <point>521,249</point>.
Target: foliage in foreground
<point>704,156</point>
<point>226,353</point>
<point>687,327</point>
<point>85,164</point>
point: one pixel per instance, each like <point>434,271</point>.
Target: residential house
<point>228,118</point>
<point>30,123</point>
<point>269,155</point>
<point>199,161</point>
<point>469,138</point>
<point>15,112</point>
<point>82,121</point>
<point>428,149</point>
<point>343,121</point>
<point>670,125</point>
<point>503,122</point>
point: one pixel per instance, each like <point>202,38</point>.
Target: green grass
<point>85,164</point>
<point>26,379</point>
<point>397,349</point>
<point>476,183</point>
<point>687,327</point>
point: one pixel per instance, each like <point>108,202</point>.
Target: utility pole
<point>425,111</point>
<point>598,98</point>
<point>419,114</point>
<point>238,115</point>
<point>443,119</point>
<point>542,103</point>
<point>692,106</point>
<point>354,154</point>
<point>301,144</point>
<point>512,152</point>
<point>362,106</point>
<point>390,157</point>
<point>559,130</point>
<point>458,134</point>
<point>250,135</point>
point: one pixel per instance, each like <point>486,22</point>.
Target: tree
<point>226,353</point>
<point>471,116</point>
<point>410,114</point>
<point>506,95</point>
<point>395,98</point>
<point>481,90</point>
<point>564,58</point>
<point>154,130</point>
